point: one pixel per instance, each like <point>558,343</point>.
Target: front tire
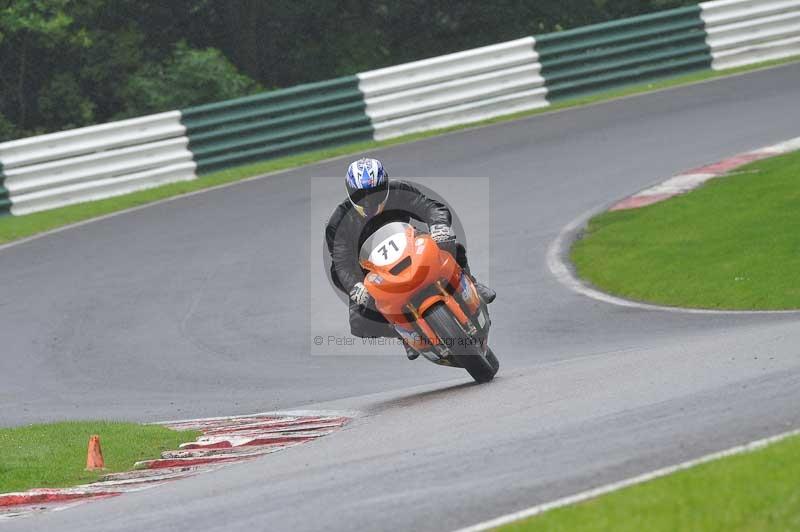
<point>467,354</point>
<point>492,359</point>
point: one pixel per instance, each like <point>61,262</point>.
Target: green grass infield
<point>752,492</point>
<point>733,243</point>
<point>54,455</point>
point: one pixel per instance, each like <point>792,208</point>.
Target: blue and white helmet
<point>367,184</point>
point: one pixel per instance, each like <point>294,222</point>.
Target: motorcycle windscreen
<point>386,245</point>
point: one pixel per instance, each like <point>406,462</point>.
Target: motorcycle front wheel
<point>466,353</point>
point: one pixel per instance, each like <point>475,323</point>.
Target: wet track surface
<point>200,307</point>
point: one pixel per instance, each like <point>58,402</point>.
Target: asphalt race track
<point>201,306</point>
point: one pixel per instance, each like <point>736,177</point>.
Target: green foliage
<point>189,77</point>
<point>38,19</point>
<point>30,32</point>
<point>284,43</point>
<point>68,63</point>
<point>62,101</point>
<point>6,128</point>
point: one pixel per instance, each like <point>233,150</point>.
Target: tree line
<point>71,63</point>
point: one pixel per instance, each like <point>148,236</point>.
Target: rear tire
<point>467,354</point>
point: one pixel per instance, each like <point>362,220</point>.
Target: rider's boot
<point>484,292</point>
<point>487,294</point>
<point>410,352</point>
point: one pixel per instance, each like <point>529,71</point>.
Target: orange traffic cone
<point>94,458</point>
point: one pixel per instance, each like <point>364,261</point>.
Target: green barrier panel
<point>612,54</point>
<point>276,123</point>
<point>5,202</point>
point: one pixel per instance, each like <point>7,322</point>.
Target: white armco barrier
<point>454,89</point>
<point>95,162</point>
<point>52,198</point>
<point>743,32</point>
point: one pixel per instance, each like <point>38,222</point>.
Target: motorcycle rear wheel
<point>466,353</point>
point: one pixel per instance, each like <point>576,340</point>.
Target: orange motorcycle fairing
<point>409,273</point>
<point>428,298</point>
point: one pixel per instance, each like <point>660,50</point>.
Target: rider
<point>372,202</point>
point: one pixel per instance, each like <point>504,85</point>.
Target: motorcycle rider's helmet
<point>367,184</point>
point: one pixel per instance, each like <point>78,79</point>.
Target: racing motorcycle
<point>432,303</point>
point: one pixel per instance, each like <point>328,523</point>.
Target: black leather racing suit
<point>346,231</point>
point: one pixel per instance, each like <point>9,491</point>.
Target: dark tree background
<point>70,63</point>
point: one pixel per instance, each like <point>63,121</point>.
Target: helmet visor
<point>370,202</point>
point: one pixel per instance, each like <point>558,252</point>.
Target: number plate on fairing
<point>387,245</point>
<point>389,251</point>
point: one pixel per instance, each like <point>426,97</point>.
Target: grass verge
<point>54,455</point>
<point>17,227</point>
<point>752,492</point>
<point>734,243</point>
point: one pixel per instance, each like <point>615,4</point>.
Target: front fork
<point>460,309</point>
